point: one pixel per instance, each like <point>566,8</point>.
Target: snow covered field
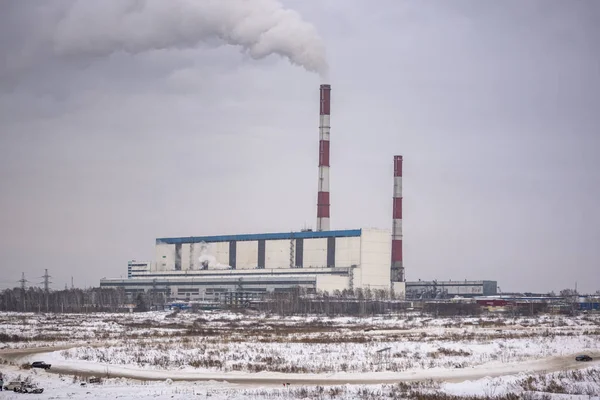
<point>487,356</point>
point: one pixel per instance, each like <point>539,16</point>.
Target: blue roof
<point>261,236</point>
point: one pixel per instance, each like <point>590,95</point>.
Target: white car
<point>23,387</point>
<point>15,386</point>
<point>31,388</point>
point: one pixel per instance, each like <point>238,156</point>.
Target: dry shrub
<point>12,338</point>
<point>444,396</point>
<point>450,352</point>
<point>206,363</point>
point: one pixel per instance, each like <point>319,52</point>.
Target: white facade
<point>247,255</point>
<point>375,260</point>
<point>277,254</point>
<point>331,283</point>
<point>165,257</point>
<point>315,253</point>
<point>137,267</point>
<point>347,251</point>
<point>323,261</point>
<point>186,256</point>
<point>399,289</point>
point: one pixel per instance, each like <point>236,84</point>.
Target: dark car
<point>40,364</point>
<point>583,358</point>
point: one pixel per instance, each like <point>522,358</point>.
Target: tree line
<point>73,300</point>
<point>358,302</point>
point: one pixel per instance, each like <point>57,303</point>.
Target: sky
<point>121,122</point>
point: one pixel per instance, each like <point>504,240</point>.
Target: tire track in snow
<point>496,369</point>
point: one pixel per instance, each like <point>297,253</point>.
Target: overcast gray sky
<point>495,106</point>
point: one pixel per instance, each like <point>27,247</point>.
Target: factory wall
<point>247,255</point>
<point>331,283</point>
<point>347,251</point>
<point>453,288</point>
<point>375,256</point>
<point>165,257</point>
<point>327,260</point>
<point>220,250</point>
<point>399,289</point>
<point>277,254</point>
<point>295,251</point>
<point>186,254</point>
<point>135,267</point>
<point>203,288</point>
<point>315,253</point>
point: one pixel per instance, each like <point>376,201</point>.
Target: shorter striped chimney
<point>397,272</point>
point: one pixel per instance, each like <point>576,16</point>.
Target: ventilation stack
<point>397,273</point>
<point>323,193</point>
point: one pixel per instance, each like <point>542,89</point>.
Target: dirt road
<point>13,354</point>
<point>551,364</point>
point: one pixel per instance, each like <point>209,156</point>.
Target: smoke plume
<point>259,27</point>
<point>208,261</point>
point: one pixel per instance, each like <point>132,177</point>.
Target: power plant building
<point>208,267</point>
<point>214,267</point>
<point>211,267</point>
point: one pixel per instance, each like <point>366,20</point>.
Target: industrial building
<point>210,267</point>
<point>449,289</point>
<point>214,267</point>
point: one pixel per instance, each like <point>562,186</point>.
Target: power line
<point>47,281</point>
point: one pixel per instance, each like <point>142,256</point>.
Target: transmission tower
<point>47,281</point>
<point>23,281</point>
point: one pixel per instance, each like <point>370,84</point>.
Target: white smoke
<point>208,261</point>
<point>260,27</point>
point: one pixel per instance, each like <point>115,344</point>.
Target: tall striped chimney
<point>397,272</point>
<point>323,194</point>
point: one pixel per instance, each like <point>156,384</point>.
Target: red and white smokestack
<point>323,194</point>
<point>397,273</point>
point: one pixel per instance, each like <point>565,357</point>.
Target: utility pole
<point>153,297</point>
<point>23,281</point>
<point>72,286</point>
<point>46,286</point>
